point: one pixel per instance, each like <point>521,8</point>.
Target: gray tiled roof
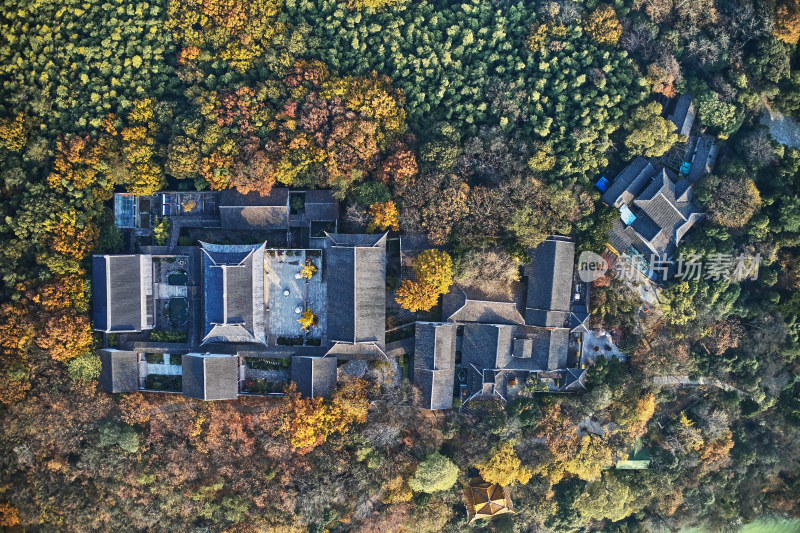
<point>437,387</point>
<point>434,363</point>
<point>210,376</point>
<point>118,296</point>
<point>487,312</point>
<point>705,156</point>
<point>254,217</point>
<point>233,293</point>
<point>546,319</point>
<point>435,345</point>
<point>315,376</point>
<point>231,197</point>
<point>246,211</point>
<point>366,240</point>
<point>559,345</point>
<point>550,282</point>
<point>664,213</point>
<point>487,346</point>
<point>119,371</point>
<point>355,271</point>
<point>667,218</point>
<point>629,183</point>
<point>321,206</point>
<point>523,348</point>
<point>683,114</point>
<point>579,318</point>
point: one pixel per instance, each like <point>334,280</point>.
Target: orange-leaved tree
<point>308,422</point>
<point>416,296</point>
<point>434,271</point>
<point>787,21</point>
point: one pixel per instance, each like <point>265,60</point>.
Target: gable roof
<point>355,272</point>
<point>118,302</point>
<point>550,283</point>
<point>703,159</point>
<point>210,376</point>
<point>233,293</point>
<point>321,206</point>
<point>629,183</point>
<point>683,114</point>
<point>315,376</point>
<point>434,363</point>
<point>119,371</point>
<point>251,210</point>
<point>487,312</point>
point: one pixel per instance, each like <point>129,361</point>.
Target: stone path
<point>601,339</point>
<point>785,130</point>
<point>684,381</point>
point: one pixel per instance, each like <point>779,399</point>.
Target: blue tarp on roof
<point>686,167</point>
<point>602,184</point>
<point>626,215</point>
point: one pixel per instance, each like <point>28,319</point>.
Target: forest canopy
<point>482,125</point>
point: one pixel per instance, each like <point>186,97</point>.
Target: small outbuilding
<point>486,500</point>
<point>210,376</point>
<point>315,376</point>
<point>119,371</point>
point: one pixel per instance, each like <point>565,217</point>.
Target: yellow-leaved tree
<point>384,216</point>
<point>308,422</point>
<point>505,467</point>
<point>603,26</point>
<point>308,319</point>
<point>434,271</point>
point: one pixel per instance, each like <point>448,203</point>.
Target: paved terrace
<point>287,292</point>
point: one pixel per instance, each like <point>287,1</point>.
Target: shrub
<point>168,335</point>
<point>161,231</point>
<point>435,473</point>
<point>297,203</point>
<point>370,193</point>
<point>113,433</point>
<point>154,358</point>
<point>85,367</point>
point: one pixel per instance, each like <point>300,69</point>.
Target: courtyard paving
<point>288,295</point>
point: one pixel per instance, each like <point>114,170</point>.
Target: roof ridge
<point>661,193</point>
<point>355,294</point>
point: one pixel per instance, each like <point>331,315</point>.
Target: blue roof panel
<point>124,211</point>
<point>626,215</point>
<point>99,297</point>
<point>213,300</point>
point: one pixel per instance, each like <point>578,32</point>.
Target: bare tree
<point>758,148</point>
<point>356,217</point>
